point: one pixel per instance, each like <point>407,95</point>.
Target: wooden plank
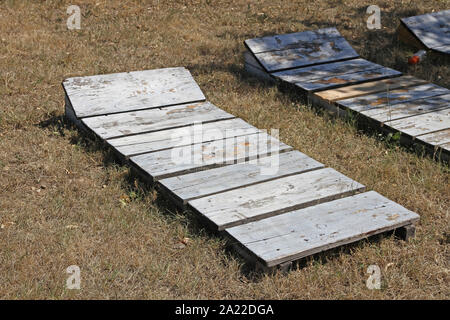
<point>258,73</point>
<point>409,38</point>
<point>446,147</point>
<point>291,40</point>
<point>443,49</point>
<point>422,124</point>
<point>436,138</point>
<point>202,156</point>
<point>123,124</point>
<point>432,29</point>
<point>369,87</point>
<point>235,207</point>
<point>408,109</point>
<point>161,140</point>
<point>383,99</point>
<point>307,54</point>
<point>250,59</point>
<point>297,234</point>
<point>341,80</point>
<point>325,70</point>
<point>129,91</point>
<point>205,183</point>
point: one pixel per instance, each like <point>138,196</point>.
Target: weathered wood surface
<point>197,133</point>
<point>432,29</point>
<point>123,124</point>
<point>445,146</point>
<point>383,99</point>
<point>342,80</point>
<point>422,124</point>
<point>293,50</point>
<point>291,40</point>
<point>408,109</point>
<point>266,199</point>
<point>436,138</point>
<point>205,183</point>
<point>181,160</point>
<point>253,67</point>
<point>307,231</point>
<point>129,91</point>
<point>325,70</point>
<point>369,88</point>
<point>443,49</point>
<point>309,54</point>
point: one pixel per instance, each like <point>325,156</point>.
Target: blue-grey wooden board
<point>300,49</point>
<point>432,29</point>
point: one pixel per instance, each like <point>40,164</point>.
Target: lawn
<point>65,200</point>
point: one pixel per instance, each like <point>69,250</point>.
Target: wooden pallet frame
<point>239,179</point>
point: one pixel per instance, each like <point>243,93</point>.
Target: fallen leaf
<point>185,241</point>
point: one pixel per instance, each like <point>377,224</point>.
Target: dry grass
<point>60,198</point>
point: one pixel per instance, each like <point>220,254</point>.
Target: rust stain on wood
<point>187,108</point>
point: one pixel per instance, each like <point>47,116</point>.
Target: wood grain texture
<point>310,53</point>
<point>446,147</point>
<point>303,232</point>
<point>408,109</point>
<point>337,81</point>
<point>432,29</point>
<point>436,138</point>
<point>386,98</point>
<point>422,124</point>
<point>443,49</point>
<point>320,71</point>
<point>161,140</point>
<point>202,156</point>
<point>123,124</point>
<point>129,91</point>
<point>205,183</point>
<point>291,40</point>
<point>266,199</point>
<point>369,88</point>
